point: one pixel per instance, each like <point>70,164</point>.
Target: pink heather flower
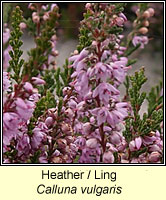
<point>6,35</point>
<point>77,58</point>
<point>119,69</point>
<point>132,146</point>
<point>53,6</point>
<point>147,140</point>
<point>69,113</point>
<point>81,84</point>
<point>46,16</point>
<point>23,145</point>
<point>138,142</point>
<point>28,87</point>
<point>88,6</point>
<point>44,7</point>
<point>100,70</point>
<point>123,16</point>
<point>154,157</point>
<point>6,57</point>
<point>38,137</point>
<point>49,121</point>
<point>155,147</point>
<point>22,25</point>
<point>6,82</point>
<point>135,145</point>
<point>106,54</point>
<point>92,143</point>
<point>37,81</point>
<point>108,157</point>
<point>119,21</point>
<point>143,40</point>
<point>105,91</point>
<point>36,18</point>
<point>43,159</point>
<point>86,128</point>
<point>80,142</point>
<point>22,106</point>
<point>10,126</point>
<point>116,138</point>
<point>104,115</point>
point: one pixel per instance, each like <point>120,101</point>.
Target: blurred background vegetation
<point>72,13</point>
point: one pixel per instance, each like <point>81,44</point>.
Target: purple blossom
<point>10,126</point>
<point>108,157</point>
<point>38,81</point>
<point>23,145</point>
<point>106,91</point>
<point>6,82</point>
<point>38,137</point>
<point>22,106</point>
<point>6,35</point>
<point>100,71</point>
<point>77,58</point>
<point>143,40</point>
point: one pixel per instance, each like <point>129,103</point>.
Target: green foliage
<point>42,106</point>
<point>131,62</point>
<point>135,126</point>
<point>16,63</point>
<point>143,6</point>
<point>85,37</point>
<point>155,99</point>
<point>45,103</point>
<point>62,78</point>
<point>38,56</point>
<point>129,51</point>
<point>119,7</point>
<point>137,98</point>
<point>135,154</point>
<point>7,7</point>
<point>35,157</point>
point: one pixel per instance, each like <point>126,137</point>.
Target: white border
<point>97,164</point>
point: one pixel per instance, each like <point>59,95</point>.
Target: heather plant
<point>76,114</point>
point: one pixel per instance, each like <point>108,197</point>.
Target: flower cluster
<point>98,71</point>
<point>87,121</point>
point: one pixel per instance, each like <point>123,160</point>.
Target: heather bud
<point>119,21</point>
<point>151,11</point>
<point>108,157</point>
<point>87,127</point>
<point>46,16</point>
<point>146,14</point>
<point>69,113</point>
<point>36,19</point>
<point>56,159</point>
<point>62,143</point>
<point>54,38</point>
<point>145,23</point>
<point>65,127</point>
<point>143,30</point>
<point>22,25</point>
<point>154,157</point>
<point>135,23</point>
<point>49,121</point>
<point>115,138</point>
<point>76,52</point>
<point>88,6</point>
<point>28,87</point>
<point>137,12</point>
<point>37,81</point>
